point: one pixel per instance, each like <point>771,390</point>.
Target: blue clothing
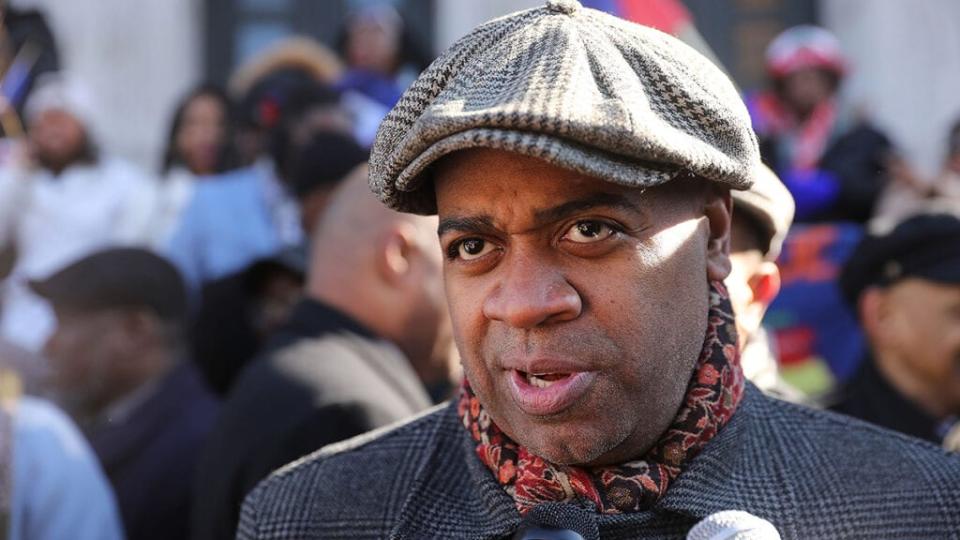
<point>232,220</point>
<point>376,86</point>
<point>59,490</point>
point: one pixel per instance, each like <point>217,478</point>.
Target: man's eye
<point>472,248</point>
<point>585,232</point>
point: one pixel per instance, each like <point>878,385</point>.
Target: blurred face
<point>804,89</point>
<point>84,351</point>
<point>920,329</point>
<point>57,139</point>
<point>201,135</point>
<point>372,46</point>
<point>579,307</point>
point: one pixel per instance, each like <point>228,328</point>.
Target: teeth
<point>538,381</point>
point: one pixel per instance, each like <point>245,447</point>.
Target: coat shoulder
<point>357,481</point>
<point>837,465</point>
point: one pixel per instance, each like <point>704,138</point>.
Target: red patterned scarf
<point>711,399</point>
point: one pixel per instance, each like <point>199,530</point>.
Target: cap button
<point>568,7</point>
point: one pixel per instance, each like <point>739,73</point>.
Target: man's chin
<point>565,446</point>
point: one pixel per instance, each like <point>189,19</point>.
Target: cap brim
<point>414,192</point>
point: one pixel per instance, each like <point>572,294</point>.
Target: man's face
<point>921,330</point>
<point>83,351</point>
<point>579,307</point>
<point>807,88</point>
<point>56,138</point>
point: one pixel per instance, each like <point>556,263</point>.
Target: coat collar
<point>454,492</point>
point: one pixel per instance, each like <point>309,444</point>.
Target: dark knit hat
<point>926,246</point>
<point>118,278</point>
<point>576,87</point>
<point>324,161</point>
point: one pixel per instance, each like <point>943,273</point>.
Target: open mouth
<point>546,393</point>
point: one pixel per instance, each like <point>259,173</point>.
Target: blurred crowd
<point>170,337</point>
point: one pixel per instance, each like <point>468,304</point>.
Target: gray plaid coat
<point>812,474</point>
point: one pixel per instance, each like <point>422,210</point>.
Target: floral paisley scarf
<point>711,399</point>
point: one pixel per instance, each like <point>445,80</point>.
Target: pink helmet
<point>805,46</point>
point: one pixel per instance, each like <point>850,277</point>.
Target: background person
<point>905,288</point>
<point>833,163</point>
<point>762,216</point>
<point>199,145</point>
<point>118,358</point>
<point>356,354</point>
<point>64,201</point>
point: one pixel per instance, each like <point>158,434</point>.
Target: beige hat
<point>770,204</point>
<point>576,87</point>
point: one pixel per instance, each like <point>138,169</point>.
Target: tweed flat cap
<point>770,205</point>
<point>576,87</point>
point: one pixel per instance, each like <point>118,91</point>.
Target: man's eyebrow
<point>464,224</point>
<point>569,208</point>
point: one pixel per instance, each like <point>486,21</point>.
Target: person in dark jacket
<point>905,288</point>
<point>360,351</point>
<point>834,164</point>
<point>580,167</point>
<point>117,354</point>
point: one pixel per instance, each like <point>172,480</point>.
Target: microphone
<point>733,525</point>
<point>558,521</point>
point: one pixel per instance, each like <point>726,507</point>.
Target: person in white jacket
<point>59,200</point>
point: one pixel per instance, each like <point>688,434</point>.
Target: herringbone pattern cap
<point>573,86</point>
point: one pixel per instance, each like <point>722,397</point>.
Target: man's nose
<point>532,293</point>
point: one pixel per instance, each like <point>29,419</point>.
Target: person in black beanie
<point>905,288</point>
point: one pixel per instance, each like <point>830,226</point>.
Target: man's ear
<point>394,251</point>
<point>873,311</point>
<point>765,283</point>
<point>718,208</point>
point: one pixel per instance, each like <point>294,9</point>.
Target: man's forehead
<point>479,172</point>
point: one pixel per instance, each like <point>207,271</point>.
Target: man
<point>761,218</point>
<point>579,166</point>
<point>905,288</point>
<point>832,162</point>
<point>40,217</point>
<point>119,371</point>
<point>356,354</point>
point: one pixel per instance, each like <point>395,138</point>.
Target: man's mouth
<point>544,393</point>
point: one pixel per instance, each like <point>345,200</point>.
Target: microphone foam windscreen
<point>733,525</point>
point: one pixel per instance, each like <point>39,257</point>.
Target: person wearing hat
<point>761,219</point>
<point>117,355</point>
<point>41,217</point>
<point>833,162</point>
<point>580,167</point>
<point>905,288</point>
